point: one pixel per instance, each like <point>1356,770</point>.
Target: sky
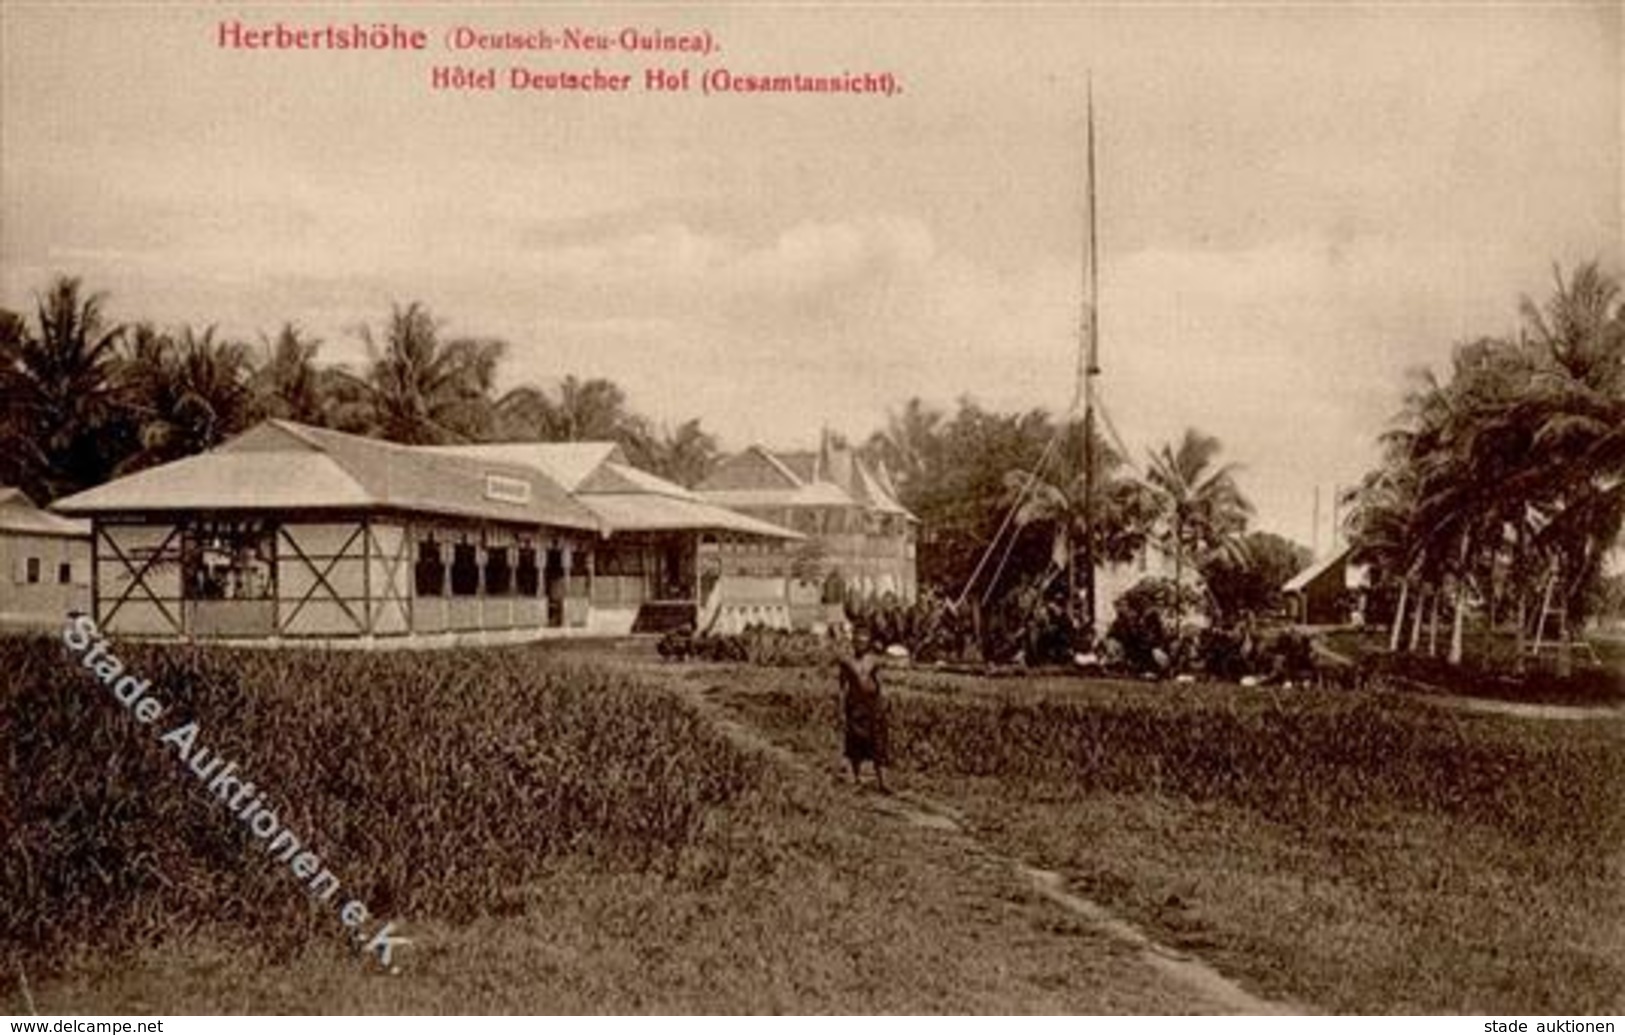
<point>1297,203</point>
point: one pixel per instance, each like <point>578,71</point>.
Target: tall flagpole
<point>1088,368</point>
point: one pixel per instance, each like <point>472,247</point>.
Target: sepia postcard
<point>836,509</point>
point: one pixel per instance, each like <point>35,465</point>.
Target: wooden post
<point>366,575</point>
<point>96,533</point>
<point>564,584</point>
<point>592,577</point>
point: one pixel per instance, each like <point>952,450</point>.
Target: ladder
<point>1560,611</point>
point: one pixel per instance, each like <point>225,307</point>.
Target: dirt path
<point>1489,705</point>
<point>1518,709</point>
<point>1204,988</point>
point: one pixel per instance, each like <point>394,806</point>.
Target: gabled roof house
<point>847,507</point>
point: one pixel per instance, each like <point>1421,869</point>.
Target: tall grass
<point>1363,852</point>
<point>1308,760</point>
<point>432,785</point>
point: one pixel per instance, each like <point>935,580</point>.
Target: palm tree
<point>589,410</point>
<point>1197,505</point>
<point>1056,496</point>
<point>524,414</point>
<point>684,454</point>
<point>907,445</point>
<point>1380,511</point>
<point>595,410</point>
<point>63,427</point>
<point>1575,411</point>
<point>423,392</point>
<point>289,384</point>
<point>189,393</point>
<point>1513,469</point>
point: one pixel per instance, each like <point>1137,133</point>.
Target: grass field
<point>571,832</point>
<point>1362,853</point>
<point>555,837</point>
<point>1490,667</point>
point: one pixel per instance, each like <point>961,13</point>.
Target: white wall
<point>46,602</point>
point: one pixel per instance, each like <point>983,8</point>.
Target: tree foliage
<point>86,398</point>
<point>1249,580</point>
<point>1503,482</point>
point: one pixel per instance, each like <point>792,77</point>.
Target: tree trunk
<point>1072,589</point>
<point>1458,621</point>
<point>1514,580</point>
<point>1416,617</point>
<point>1179,572</point>
<point>1459,618</point>
<point>1399,616</point>
<point>1518,636</point>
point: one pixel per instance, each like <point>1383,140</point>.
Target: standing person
<point>863,709</point>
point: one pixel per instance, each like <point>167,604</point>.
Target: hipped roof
<point>567,463</point>
<point>280,465</point>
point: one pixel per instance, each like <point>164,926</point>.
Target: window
<point>624,561</point>
<point>33,570</point>
<point>465,571</point>
<point>228,560</point>
<point>498,575</point>
<point>64,572</point>
<point>429,574</point>
<point>527,579</point>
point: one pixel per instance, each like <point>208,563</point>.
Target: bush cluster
<point>756,645</point>
<point>1590,683</point>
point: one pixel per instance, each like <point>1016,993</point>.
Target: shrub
<point>756,645</point>
<point>930,628</point>
<point>1146,623</point>
<point>1224,653</point>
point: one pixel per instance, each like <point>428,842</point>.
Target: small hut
<point>44,564</point>
<point>1319,595</point>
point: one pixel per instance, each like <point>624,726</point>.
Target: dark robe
<point>867,739</point>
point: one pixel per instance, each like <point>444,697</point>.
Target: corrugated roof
<point>19,516</point>
<point>280,465</point>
